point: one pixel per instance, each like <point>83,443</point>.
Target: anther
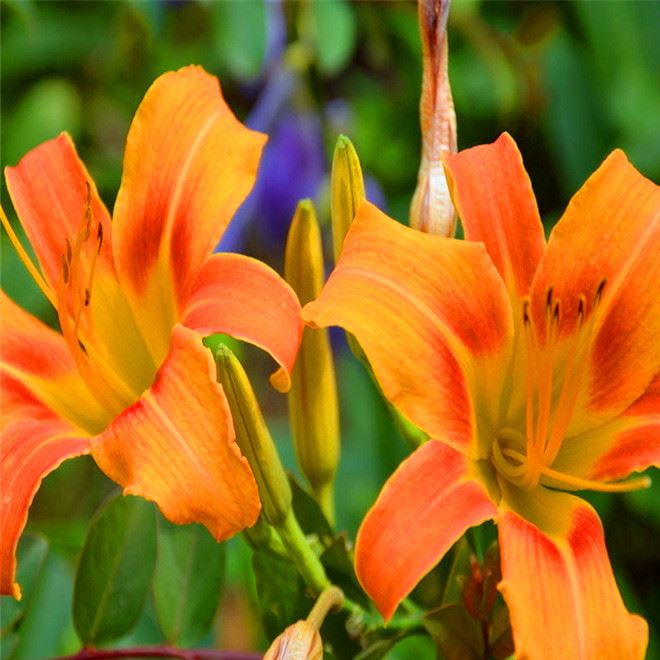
<point>556,312</point>
<point>599,290</point>
<point>525,312</point>
<point>582,301</point>
<point>548,298</point>
<point>88,296</point>
<point>99,237</point>
<point>65,269</point>
<point>69,251</point>
<point>82,347</point>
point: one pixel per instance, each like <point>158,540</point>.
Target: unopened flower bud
<point>253,438</point>
<point>346,190</point>
<point>300,641</point>
<point>431,210</point>
<point>313,406</point>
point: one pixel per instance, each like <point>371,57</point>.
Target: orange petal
<point>29,450</point>
<point>432,316</point>
<point>176,446</point>
<point>630,442</point>
<point>424,507</point>
<point>49,189</point>
<point>189,164</point>
<point>245,298</point>
<point>36,364</point>
<point>558,582</point>
<point>495,201</point>
<point>610,233</point>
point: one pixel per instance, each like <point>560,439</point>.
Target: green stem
<point>308,564</point>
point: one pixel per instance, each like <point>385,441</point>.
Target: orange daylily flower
<point>128,378</point>
<point>535,369</point>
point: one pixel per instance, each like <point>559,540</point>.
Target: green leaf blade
<point>115,569</point>
<point>187,582</point>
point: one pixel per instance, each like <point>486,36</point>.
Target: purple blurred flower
<point>292,165</point>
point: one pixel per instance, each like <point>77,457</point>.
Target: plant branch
<point>159,652</point>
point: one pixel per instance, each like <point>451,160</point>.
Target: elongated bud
<point>253,438</point>
<point>301,640</point>
<point>313,406</point>
<point>346,190</point>
<point>432,210</point>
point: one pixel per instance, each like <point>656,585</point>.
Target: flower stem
<point>308,564</point>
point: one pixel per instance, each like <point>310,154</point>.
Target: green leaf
<point>281,592</point>
<point>241,36</point>
<point>115,569</point>
<point>309,514</point>
<point>457,635</point>
<point>339,566</point>
<point>38,625</point>
<point>501,636</point>
<point>187,581</point>
<point>333,34</point>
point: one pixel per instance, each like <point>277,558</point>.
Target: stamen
<point>548,297</point>
<point>573,378</point>
<point>99,238</point>
<point>582,302</point>
<point>578,482</point>
<point>65,269</point>
<point>27,262</point>
<point>589,484</point>
<point>76,322</point>
<point>525,460</point>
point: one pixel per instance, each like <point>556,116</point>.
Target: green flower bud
<point>346,190</point>
<point>313,406</point>
<point>253,438</point>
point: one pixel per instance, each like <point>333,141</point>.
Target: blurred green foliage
<point>570,80</point>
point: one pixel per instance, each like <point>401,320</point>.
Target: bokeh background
<point>569,80</point>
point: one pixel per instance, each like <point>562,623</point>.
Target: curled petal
<point>432,316</point>
<point>180,187</point>
<point>243,297</point>
<point>424,507</point>
<point>558,582</point>
<point>29,450</point>
<point>495,201</point>
<point>176,445</point>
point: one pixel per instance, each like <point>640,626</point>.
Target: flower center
<point>553,381</point>
<point>74,296</point>
<point>71,296</point>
